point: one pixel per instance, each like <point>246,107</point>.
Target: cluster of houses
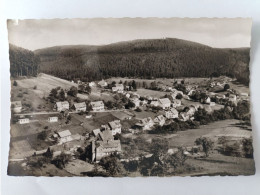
<point>171,113</point>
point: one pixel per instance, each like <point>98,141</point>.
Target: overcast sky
<point>220,33</point>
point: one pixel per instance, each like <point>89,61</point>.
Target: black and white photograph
<point>130,97</point>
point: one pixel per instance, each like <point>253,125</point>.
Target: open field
<point>44,84</point>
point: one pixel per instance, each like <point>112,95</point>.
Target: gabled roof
<point>114,124</point>
<point>160,118</point>
<point>80,105</point>
<point>174,111</point>
<point>97,104</point>
<point>106,135</point>
<point>17,104</point>
<point>96,132</point>
<point>165,101</point>
<point>102,82</point>
<point>62,104</point>
<point>64,133</point>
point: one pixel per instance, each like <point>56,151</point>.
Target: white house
<point>160,120</point>
<point>80,107</point>
<point>154,103</point>
<point>62,106</point>
<point>136,101</point>
<point>64,136</point>
<point>115,127</point>
<point>206,100</point>
<point>53,119</point>
<point>97,106</point>
<point>176,103</point>
<point>173,113</point>
<point>118,88</point>
<point>92,84</point>
<point>232,98</point>
<point>165,103</point>
<point>23,120</point>
<point>102,83</point>
<point>16,106</point>
<point>184,116</point>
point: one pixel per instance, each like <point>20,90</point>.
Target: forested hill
<point>146,59</point>
<point>23,62</point>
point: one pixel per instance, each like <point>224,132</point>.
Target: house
<point>232,98</point>
<point>136,101</point>
<point>165,103</point>
<point>92,84</point>
<point>190,110</point>
<point>173,113</point>
<point>160,120</point>
<point>176,103</point>
<point>105,146</point>
<point>97,106</point>
<point>62,106</point>
<point>64,136</point>
<point>53,119</point>
<point>115,127</point>
<point>88,116</point>
<point>96,132</point>
<point>16,106</point>
<point>205,100</point>
<point>118,88</point>
<point>184,116</point>
<point>146,123</point>
<point>23,120</point>
<point>80,107</point>
<point>102,83</point>
<point>154,103</point>
<point>127,95</point>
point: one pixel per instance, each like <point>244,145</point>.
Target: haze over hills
<point>147,58</point>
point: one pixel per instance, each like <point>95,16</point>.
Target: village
<point>98,119</point>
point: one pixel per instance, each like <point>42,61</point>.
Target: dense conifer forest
<point>23,62</point>
<point>150,58</point>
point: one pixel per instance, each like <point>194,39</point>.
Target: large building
<point>64,136</point>
<point>97,106</point>
<point>105,146</point>
<point>23,121</point>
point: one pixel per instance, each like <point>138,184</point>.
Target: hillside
<point>23,62</point>
<point>149,58</point>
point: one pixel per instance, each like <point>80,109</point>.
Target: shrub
<point>15,83</point>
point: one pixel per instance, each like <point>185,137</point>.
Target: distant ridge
<point>144,58</point>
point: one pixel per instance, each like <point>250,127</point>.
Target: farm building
<point>145,123</point>
<point>16,106</point>
<point>64,136</point>
<point>62,106</point>
<point>23,121</point>
<point>97,106</point>
<point>165,103</point>
<point>118,88</point>
<point>115,127</point>
<point>106,146</point>
<point>160,120</point>
<point>80,107</point>
<point>53,119</point>
<point>102,83</point>
<point>173,113</point>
